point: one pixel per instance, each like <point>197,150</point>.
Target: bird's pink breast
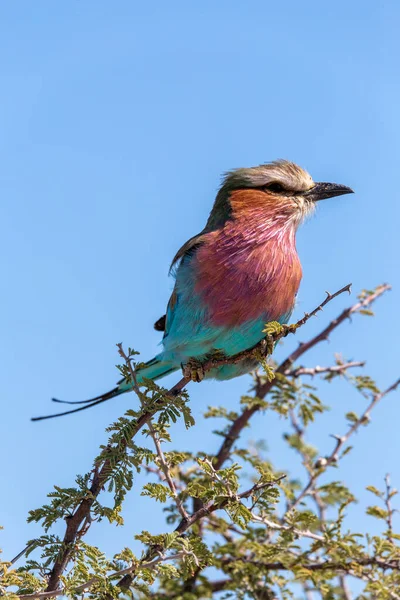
<point>243,273</point>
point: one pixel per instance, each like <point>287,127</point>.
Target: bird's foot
<point>274,331</point>
<point>193,370</point>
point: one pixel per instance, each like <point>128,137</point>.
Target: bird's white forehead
<point>288,174</point>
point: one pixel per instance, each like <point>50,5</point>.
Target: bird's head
<point>279,190</point>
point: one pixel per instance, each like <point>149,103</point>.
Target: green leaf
<point>377,511</point>
<point>156,490</point>
<point>374,490</point>
<point>352,417</point>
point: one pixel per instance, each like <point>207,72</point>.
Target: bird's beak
<point>322,191</point>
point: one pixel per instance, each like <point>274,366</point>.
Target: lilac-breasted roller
<point>239,273</point>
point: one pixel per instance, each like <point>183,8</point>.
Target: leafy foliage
<point>265,532</point>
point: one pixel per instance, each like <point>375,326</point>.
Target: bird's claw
<point>193,370</point>
<point>269,344</point>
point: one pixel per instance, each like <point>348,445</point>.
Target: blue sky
<point>116,122</point>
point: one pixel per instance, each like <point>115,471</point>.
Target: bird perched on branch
<point>240,272</point>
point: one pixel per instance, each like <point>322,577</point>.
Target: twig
<point>82,512</point>
<point>157,471</point>
<point>340,442</point>
<point>347,595</point>
<point>389,509</point>
<point>321,506</point>
<point>343,566</point>
<point>166,471</point>
<point>154,435</point>
<point>329,297</point>
<point>306,533</point>
<point>257,487</point>
<point>299,371</point>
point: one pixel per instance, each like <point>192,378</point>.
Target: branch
<point>389,509</point>
<point>347,595</point>
<point>101,473</point>
<point>321,506</point>
<point>306,533</point>
<point>185,524</point>
<point>340,442</point>
<point>82,512</point>
<point>299,371</point>
<point>154,435</point>
<point>218,585</point>
<point>257,487</point>
<point>342,566</point>
<point>165,469</point>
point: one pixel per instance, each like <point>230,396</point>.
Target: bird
<point>239,273</point>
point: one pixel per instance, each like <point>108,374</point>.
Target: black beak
<point>322,191</point>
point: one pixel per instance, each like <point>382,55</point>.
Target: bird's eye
<point>275,187</point>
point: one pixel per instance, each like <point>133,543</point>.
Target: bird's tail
<point>153,369</point>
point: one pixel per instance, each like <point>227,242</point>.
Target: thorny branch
<point>322,463</point>
<point>82,513</point>
<point>155,437</point>
<point>328,565</point>
<point>100,475</point>
<point>306,533</point>
<point>389,492</point>
<point>312,371</point>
